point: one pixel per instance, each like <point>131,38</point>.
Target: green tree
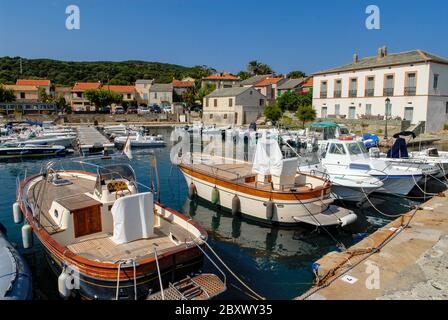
<point>102,98</point>
<point>273,112</point>
<point>255,68</point>
<point>189,98</point>
<point>244,75</point>
<point>6,95</point>
<point>289,101</point>
<point>296,74</point>
<point>306,114</point>
<point>205,90</point>
<point>44,97</point>
<point>305,99</point>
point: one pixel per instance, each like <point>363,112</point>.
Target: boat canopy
<point>268,159</point>
<point>324,124</point>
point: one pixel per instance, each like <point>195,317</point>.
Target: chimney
<point>382,52</point>
<point>355,58</point>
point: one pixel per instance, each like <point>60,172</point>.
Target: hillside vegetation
<point>69,72</point>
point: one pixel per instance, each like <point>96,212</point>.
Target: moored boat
<point>15,276</point>
<point>269,189</point>
<point>103,238</point>
<point>21,150</point>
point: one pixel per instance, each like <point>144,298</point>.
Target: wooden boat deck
<point>240,171</point>
<point>51,192</point>
<point>104,249</point>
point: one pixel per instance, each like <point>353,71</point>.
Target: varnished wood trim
<point>303,193</point>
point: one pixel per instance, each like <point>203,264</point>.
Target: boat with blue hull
<point>28,150</point>
<point>15,276</point>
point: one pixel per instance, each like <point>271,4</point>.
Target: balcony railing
<point>323,94</point>
<point>410,91</point>
<point>370,92</point>
<point>337,94</point>
<point>388,92</point>
<point>353,93</point>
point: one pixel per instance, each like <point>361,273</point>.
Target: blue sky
<point>226,34</point>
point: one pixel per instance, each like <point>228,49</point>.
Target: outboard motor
<point>374,152</point>
<point>253,126</point>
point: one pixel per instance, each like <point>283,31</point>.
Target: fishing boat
<point>106,240</point>
<point>340,156</point>
<point>269,189</point>
<point>15,276</point>
<point>19,150</point>
<point>142,141</point>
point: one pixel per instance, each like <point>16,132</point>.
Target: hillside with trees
<point>69,72</point>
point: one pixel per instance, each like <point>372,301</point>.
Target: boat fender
<point>236,205</point>
<point>27,236</point>
<point>270,210</point>
<point>17,213</point>
<point>215,195</point>
<point>65,284</point>
<point>348,219</point>
<point>192,191</point>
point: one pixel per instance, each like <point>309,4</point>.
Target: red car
<point>132,110</point>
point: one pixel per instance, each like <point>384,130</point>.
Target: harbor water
<point>275,262</point>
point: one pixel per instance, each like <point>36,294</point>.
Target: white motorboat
<point>433,156</point>
<point>348,184</point>
<point>398,178</point>
<point>62,140</point>
<point>141,141</point>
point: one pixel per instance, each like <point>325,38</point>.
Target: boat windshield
<point>356,148</point>
<point>119,171</point>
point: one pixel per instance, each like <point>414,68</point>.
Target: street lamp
<point>387,114</point>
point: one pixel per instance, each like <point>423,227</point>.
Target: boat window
<point>344,130</point>
<point>336,148</point>
<point>356,148</point>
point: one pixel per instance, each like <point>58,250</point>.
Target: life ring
<point>345,138</point>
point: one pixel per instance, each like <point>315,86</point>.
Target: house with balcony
<point>221,80</point>
<point>233,106</point>
<point>415,82</point>
<point>79,101</point>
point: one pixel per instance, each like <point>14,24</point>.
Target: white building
<point>416,83</point>
<point>238,105</point>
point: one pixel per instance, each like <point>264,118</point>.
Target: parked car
<point>119,110</point>
<point>168,109</point>
<point>131,110</point>
<point>104,109</point>
<point>143,110</point>
<point>156,109</point>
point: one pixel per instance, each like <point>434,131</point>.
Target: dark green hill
<point>69,72</point>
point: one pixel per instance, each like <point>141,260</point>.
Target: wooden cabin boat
<point>269,189</point>
<point>104,237</point>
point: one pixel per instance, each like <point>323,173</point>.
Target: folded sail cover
<point>133,218</point>
<point>268,158</point>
